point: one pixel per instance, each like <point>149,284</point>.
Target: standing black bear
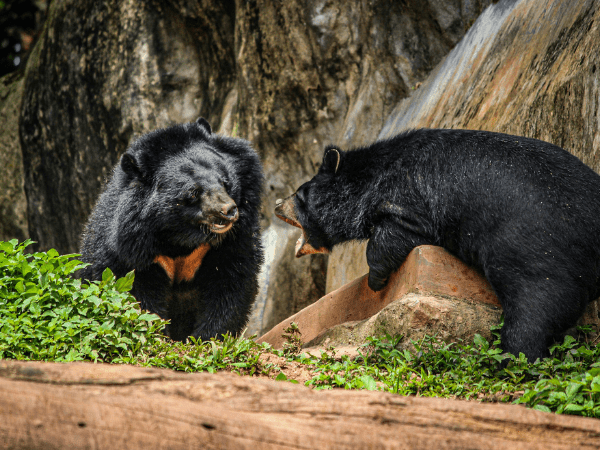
<point>182,209</point>
<point>524,212</point>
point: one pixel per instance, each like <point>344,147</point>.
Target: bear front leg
<point>388,247</point>
<point>150,288</point>
<point>227,287</point>
<point>229,311</point>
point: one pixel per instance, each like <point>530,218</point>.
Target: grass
<point>45,314</point>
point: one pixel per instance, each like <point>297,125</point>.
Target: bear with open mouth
<point>523,212</point>
<point>182,210</point>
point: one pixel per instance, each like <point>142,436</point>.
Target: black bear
<point>182,210</point>
<point>524,212</point>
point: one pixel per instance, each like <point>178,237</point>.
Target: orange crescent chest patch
<point>183,268</point>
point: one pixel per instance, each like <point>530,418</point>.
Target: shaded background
<point>291,77</point>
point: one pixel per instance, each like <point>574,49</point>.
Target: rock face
<point>432,293</point>
<point>288,76</point>
<point>525,67</point>
<point>13,204</point>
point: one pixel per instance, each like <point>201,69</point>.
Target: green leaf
<point>126,283</point>
<point>571,407</point>
<point>149,317</point>
<point>368,382</point>
<point>572,389</point>
<point>107,275</point>
<point>542,408</point>
<point>7,247</point>
<point>281,377</point>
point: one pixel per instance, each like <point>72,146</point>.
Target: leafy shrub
<point>45,314</point>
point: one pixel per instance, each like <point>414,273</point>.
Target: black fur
<point>171,189</point>
<point>524,212</point>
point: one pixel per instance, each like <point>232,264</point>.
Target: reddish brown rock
<point>428,270</point>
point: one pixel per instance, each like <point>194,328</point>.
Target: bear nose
<point>229,211</point>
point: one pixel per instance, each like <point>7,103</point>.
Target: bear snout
<point>219,211</point>
<point>286,211</point>
<point>229,211</point>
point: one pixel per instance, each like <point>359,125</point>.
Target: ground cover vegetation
<point>47,315</point>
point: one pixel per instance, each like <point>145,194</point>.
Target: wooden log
<point>99,406</point>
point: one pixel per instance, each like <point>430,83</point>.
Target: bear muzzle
<point>220,212</point>
<point>285,210</point>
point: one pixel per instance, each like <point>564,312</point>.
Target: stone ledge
<point>428,270</point>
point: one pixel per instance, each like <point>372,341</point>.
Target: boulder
<point>433,292</point>
<point>13,203</point>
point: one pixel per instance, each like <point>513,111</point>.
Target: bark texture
<point>88,406</point>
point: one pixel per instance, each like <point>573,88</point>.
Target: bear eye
<point>301,196</point>
<point>226,184</point>
<point>194,196</point>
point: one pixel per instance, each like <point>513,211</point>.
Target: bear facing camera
<point>182,210</point>
<point>524,212</point>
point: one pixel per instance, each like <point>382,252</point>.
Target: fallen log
<point>99,406</point>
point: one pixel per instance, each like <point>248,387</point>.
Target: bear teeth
<point>220,228</point>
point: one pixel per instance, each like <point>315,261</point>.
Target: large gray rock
<point>13,204</point>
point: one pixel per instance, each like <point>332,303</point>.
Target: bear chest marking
<point>183,268</point>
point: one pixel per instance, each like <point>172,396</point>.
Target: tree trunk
<point>83,405</point>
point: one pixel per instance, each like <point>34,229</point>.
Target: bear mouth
<point>220,226</point>
<point>284,210</point>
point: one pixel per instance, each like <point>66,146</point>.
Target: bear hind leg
<point>534,315</point>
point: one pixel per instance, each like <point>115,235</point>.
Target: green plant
<point>293,338</point>
<point>45,314</point>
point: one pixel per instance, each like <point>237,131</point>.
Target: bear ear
<point>130,166</point>
<point>203,123</point>
<point>331,159</point>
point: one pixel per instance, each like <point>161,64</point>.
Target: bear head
<point>312,207</point>
<point>181,188</point>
